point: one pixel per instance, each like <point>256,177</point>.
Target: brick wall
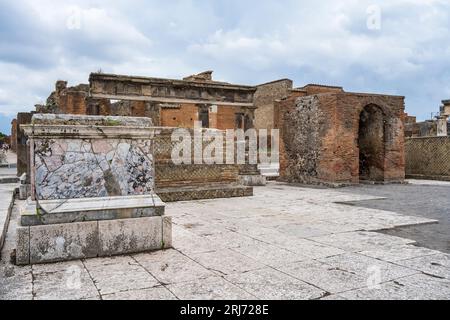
<point>316,89</point>
<point>170,175</point>
<point>319,137</point>
<point>22,149</point>
<point>225,118</point>
<point>428,158</point>
<point>183,116</point>
<point>14,135</point>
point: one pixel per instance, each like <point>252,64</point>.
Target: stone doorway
<point>371,143</point>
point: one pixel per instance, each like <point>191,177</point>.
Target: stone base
<point>252,180</point>
<point>204,192</point>
<point>9,179</point>
<point>80,240</point>
<point>428,177</point>
<point>90,209</point>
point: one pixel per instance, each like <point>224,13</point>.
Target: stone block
<point>130,235</point>
<point>91,209</point>
<point>51,243</point>
<point>23,192</point>
<point>22,245</point>
<point>167,232</point>
<point>252,180</point>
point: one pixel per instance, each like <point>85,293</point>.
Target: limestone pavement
<point>285,242</point>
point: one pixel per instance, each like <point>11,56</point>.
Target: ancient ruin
<point>438,126</point>
<point>327,135</point>
<point>332,136</point>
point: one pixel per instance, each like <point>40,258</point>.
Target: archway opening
<point>371,143</point>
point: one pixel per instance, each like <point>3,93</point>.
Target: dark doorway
<point>239,121</point>
<point>371,144</point>
<point>204,116</point>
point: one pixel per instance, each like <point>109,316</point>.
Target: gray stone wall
<point>264,100</point>
<point>302,143</point>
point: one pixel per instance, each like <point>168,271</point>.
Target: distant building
<point>439,126</point>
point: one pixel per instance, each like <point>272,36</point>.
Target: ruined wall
<point>193,181</point>
<point>311,89</point>
<point>420,129</point>
<point>168,90</point>
<point>67,100</point>
<point>183,115</point>
<point>171,175</point>
<point>332,123</point>
<point>22,149</point>
<point>14,135</point>
<point>302,141</point>
<point>282,108</point>
<point>225,118</point>
<point>98,107</point>
<point>428,158</point>
<point>74,100</point>
<point>264,99</point>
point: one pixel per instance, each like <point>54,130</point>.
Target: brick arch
<point>371,141</point>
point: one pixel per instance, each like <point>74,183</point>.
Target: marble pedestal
<point>92,190</point>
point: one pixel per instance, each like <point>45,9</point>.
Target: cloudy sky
<point>394,46</point>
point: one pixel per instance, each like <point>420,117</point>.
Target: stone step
<point>214,191</point>
<point>9,179</point>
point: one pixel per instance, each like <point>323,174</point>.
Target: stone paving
<point>286,242</point>
<point>423,198</point>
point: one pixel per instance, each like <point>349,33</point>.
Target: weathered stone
<point>92,188</point>
<point>269,284</point>
<point>113,275</point>
<point>71,283</point>
<point>339,137</point>
<point>71,119</point>
<point>212,288</point>
<point>328,278</point>
<point>368,267</point>
<point>415,287</point>
<point>130,235</point>
<point>22,245</point>
<point>91,209</point>
<point>166,232</point>
<point>170,266</point>
<point>437,265</point>
<point>16,283</point>
<point>360,241</point>
<point>252,180</point>
<point>58,242</point>
<point>400,252</point>
<point>159,293</point>
<point>226,262</point>
<point>176,269</point>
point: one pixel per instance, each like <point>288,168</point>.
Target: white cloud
<point>243,41</point>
